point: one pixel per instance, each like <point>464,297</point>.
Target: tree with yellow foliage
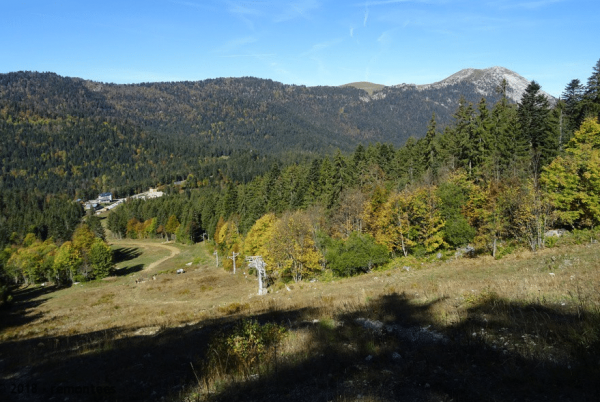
<point>257,239</point>
<point>409,220</point>
<point>572,181</point>
<point>228,241</point>
<point>293,247</point>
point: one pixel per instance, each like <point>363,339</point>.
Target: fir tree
<point>429,147</point>
<point>534,112</point>
<point>592,93</point>
<point>573,96</point>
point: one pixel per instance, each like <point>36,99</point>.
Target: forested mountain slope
<point>67,134</point>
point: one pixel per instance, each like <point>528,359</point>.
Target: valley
<point>433,242</point>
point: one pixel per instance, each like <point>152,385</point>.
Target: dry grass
<point>526,319</point>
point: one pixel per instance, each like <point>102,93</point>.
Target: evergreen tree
<point>359,164</point>
<point>230,201</point>
<point>313,182</point>
<point>461,141</point>
<point>592,93</point>
<point>339,180</point>
<point>534,113</point>
<point>273,190</point>
<point>481,145</point>
<point>408,162</point>
<point>429,148</point>
<point>574,111</point>
<point>326,180</point>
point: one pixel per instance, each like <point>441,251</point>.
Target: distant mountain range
<point>162,125</point>
<point>240,113</point>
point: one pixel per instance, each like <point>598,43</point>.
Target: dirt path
<point>174,251</point>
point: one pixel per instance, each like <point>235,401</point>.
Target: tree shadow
<point>391,350</point>
<point>16,313</point>
<point>129,270</point>
<point>123,254</point>
<point>387,350</point>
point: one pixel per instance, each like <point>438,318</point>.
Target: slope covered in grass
<point>521,328</point>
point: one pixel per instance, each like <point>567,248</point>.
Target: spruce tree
<point>480,142</point>
<point>534,113</point>
<point>573,96</point>
<point>407,162</point>
<point>429,147</point>
<point>463,135</point>
<point>312,182</point>
<point>592,93</point>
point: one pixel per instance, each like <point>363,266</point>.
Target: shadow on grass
<point>125,254</point>
<point>15,313</point>
<point>386,351</point>
<point>129,270</point>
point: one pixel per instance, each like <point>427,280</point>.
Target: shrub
<point>243,349</point>
<point>358,253</point>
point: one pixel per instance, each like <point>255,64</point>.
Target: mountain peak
<point>486,81</point>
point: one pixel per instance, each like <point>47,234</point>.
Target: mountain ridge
<point>180,126</point>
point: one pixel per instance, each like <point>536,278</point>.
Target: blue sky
<point>303,42</point>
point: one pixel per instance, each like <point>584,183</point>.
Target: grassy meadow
<point>526,327</point>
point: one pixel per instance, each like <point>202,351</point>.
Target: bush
<point>359,253</point>
<point>243,349</point>
<point>458,232</point>
<point>505,249</point>
<point>550,241</point>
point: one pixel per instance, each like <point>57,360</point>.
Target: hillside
<point>368,87</point>
<point>60,133</point>
<point>520,328</point>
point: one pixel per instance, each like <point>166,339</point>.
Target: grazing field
<point>526,327</point>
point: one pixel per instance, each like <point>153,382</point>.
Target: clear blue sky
<point>304,42</point>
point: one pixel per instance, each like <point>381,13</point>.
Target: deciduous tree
<point>573,181</point>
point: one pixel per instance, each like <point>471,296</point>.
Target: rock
<point>555,233</point>
<point>374,325</point>
<point>468,251</point>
